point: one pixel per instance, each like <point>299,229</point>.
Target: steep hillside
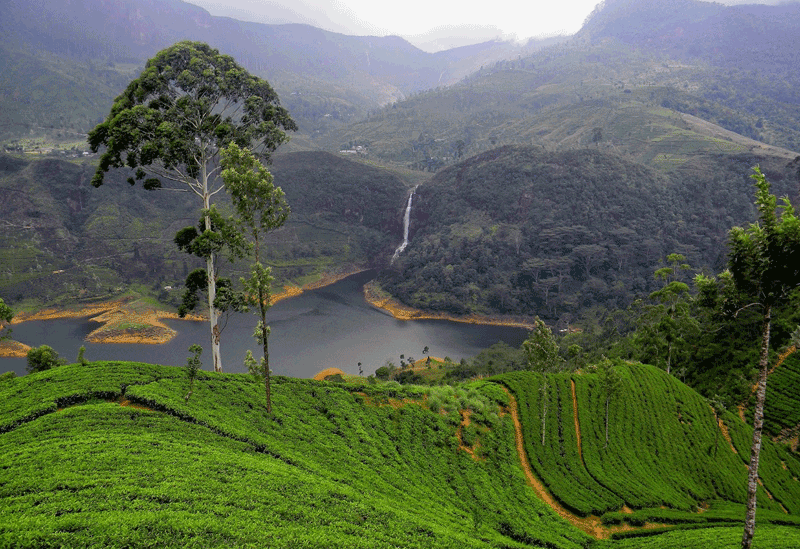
<point>519,230</point>
<point>324,78</point>
<point>626,83</point>
<point>65,241</point>
<point>111,454</point>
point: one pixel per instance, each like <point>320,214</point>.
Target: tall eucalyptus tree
<point>764,266</point>
<point>171,122</point>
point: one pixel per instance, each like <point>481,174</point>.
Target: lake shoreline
<point>136,322</point>
<point>380,299</point>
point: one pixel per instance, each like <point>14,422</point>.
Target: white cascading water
<point>406,221</point>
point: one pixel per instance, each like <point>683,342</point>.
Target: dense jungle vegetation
<point>520,229</point>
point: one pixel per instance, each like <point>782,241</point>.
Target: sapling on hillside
<point>193,365</point>
<point>610,383</point>
<point>719,408</point>
<point>261,207</point>
<point>81,359</point>
<point>541,351</point>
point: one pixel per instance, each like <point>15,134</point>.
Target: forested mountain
<point>519,230</point>
<point>642,79</point>
<point>65,241</point>
<point>635,137</point>
<point>57,51</point>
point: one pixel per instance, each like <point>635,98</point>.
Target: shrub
<point>43,358</point>
<point>81,358</point>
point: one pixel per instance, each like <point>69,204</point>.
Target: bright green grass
<point>333,468</point>
<point>727,537</point>
<point>664,450</point>
<point>782,407</point>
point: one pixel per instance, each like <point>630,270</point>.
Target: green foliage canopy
<point>6,314</point>
<point>172,122</point>
<point>189,101</point>
<point>43,358</point>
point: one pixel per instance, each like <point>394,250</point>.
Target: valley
<point>521,293</point>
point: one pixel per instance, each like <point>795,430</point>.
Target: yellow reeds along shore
<point>377,297</point>
<point>136,321</point>
<point>121,321</point>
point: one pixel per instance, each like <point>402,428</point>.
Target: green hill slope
<point>109,454</point>
<point>522,231</point>
<point>667,458</point>
<point>64,241</point>
<point>656,82</point>
<point>335,468</point>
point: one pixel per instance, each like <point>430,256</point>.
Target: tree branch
<point>736,314</point>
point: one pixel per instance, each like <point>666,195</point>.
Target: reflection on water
<point>329,327</point>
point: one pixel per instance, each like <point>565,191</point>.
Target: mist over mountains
<point>687,94</point>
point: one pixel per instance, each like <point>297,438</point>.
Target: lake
<point>331,327</point>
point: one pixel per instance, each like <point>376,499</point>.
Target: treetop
<point>188,103</point>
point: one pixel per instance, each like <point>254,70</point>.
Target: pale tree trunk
<point>263,298</point>
<point>267,384</point>
<point>213,317</point>
<point>758,424</point>
<point>669,357</point>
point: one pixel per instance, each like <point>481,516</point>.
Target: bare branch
<point>736,314</point>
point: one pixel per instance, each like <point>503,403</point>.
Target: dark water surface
<point>333,326</point>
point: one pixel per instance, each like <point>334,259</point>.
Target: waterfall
<point>406,221</point>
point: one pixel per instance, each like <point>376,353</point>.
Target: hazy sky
<point>429,24</point>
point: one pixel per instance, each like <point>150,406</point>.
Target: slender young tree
<point>541,351</point>
<point>764,266</point>
<point>663,328</point>
<point>170,124</point>
<point>193,365</point>
<point>610,383</point>
<point>261,207</point>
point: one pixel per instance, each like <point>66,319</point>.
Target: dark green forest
<point>519,230</point>
<point>66,242</point>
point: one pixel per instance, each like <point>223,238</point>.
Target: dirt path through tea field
<point>592,525</point>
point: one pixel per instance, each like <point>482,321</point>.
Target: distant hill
<point>747,37</point>
<point>65,241</point>
<point>523,231</point>
<point>631,80</point>
<point>323,77</point>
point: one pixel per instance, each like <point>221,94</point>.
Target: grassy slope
<point>363,467</point>
<point>665,457</point>
<point>334,469</point>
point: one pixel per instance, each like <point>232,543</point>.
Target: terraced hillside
<point>334,468</point>
<point>110,454</point>
<point>668,459</point>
